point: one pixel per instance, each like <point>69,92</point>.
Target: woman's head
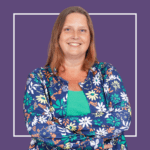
<point>74,39</point>
<point>59,37</point>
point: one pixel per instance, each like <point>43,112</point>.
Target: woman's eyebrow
<point>72,26</point>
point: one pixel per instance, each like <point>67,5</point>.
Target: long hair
<point>55,54</point>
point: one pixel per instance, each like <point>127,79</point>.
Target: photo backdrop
<point>121,38</point>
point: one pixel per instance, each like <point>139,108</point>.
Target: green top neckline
<point>75,91</point>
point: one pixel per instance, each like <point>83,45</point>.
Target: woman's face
<point>75,35</point>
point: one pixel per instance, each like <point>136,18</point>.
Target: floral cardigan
<point>45,103</point>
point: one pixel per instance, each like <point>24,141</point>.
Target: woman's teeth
<point>74,44</point>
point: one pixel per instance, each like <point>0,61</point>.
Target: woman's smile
<point>74,44</point>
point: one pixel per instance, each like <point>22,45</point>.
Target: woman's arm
<point>39,123</point>
<point>110,121</point>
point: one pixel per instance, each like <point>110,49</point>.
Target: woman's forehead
<point>76,19</point>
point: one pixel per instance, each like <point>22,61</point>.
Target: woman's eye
<point>82,30</point>
<point>67,29</point>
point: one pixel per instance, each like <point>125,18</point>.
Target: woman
<point>74,101</point>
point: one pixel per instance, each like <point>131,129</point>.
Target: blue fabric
<point>45,105</point>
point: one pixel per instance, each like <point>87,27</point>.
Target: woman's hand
<point>106,146</point>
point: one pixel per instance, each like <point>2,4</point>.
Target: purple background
<point>115,43</point>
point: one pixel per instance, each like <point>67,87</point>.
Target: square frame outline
<point>14,14</point>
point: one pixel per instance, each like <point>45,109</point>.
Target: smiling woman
<point>73,40</point>
<point>74,101</point>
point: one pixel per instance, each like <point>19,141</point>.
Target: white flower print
<point>65,98</point>
<point>111,109</point>
<point>63,130</point>
<point>118,110</point>
<point>42,119</point>
<point>118,115</point>
<point>81,84</point>
<point>112,77</point>
<point>118,78</point>
<point>92,95</point>
<point>97,75</point>
<point>106,87</point>
<point>96,80</point>
<point>52,128</point>
<point>40,75</point>
<point>28,127</point>
<point>126,125</point>
<point>43,81</point>
<point>94,143</point>
<point>124,96</point>
<point>31,87</point>
<point>116,85</point>
<point>42,99</point>
<point>85,122</point>
<point>101,107</point>
<point>48,113</point>
<point>35,120</point>
<point>28,80</point>
<point>107,114</point>
<point>93,68</point>
<point>68,146</point>
<point>33,141</point>
<point>65,88</point>
<point>101,132</point>
<point>117,131</point>
<point>60,120</point>
<point>123,147</point>
<point>71,126</point>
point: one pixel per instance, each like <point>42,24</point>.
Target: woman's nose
<point>75,35</point>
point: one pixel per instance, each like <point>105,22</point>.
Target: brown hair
<point>55,54</point>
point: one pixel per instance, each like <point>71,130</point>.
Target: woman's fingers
<point>104,139</point>
<point>106,146</point>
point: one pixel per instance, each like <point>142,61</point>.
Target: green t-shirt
<point>77,103</point>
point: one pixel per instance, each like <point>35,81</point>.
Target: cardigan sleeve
<point>112,119</point>
<point>39,121</point>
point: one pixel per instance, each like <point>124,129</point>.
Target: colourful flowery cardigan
<point>45,103</point>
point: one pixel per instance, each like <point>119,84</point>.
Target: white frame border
<point>14,14</point>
